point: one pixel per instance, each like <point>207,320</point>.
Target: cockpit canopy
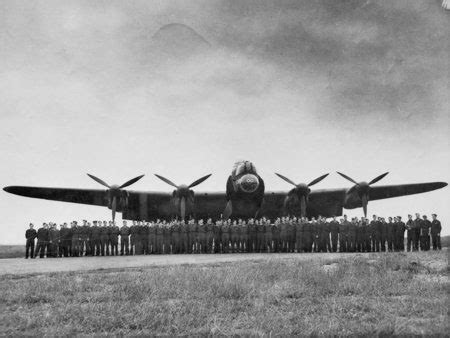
<point>243,167</point>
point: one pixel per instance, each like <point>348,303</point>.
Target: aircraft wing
<point>389,191</point>
<point>82,196</point>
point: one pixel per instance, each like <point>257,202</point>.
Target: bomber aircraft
<point>245,197</point>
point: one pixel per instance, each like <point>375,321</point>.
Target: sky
<point>186,88</point>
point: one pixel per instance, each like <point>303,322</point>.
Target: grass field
<point>360,294</point>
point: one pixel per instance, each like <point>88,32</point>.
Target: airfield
<point>235,294</point>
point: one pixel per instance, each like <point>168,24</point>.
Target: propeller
<point>115,191</point>
<point>363,188</point>
<point>183,191</point>
<point>302,190</point>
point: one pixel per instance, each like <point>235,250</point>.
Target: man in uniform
<point>159,238</point>
<point>436,232</point>
<point>209,235</point>
<point>75,231</point>
<point>30,235</point>
<point>352,228</point>
<point>225,231</point>
<point>243,236</point>
<point>425,234</point>
<point>201,230</point>
<point>344,235</point>
<point>390,229</point>
<point>124,239</point>
<point>251,246</point>
<point>42,240</point>
<point>184,237</point>
<point>417,225</point>
<point>104,239</point>
<point>234,236</point>
<point>291,234</point>
<point>95,239</point>
<point>193,234</point>
<point>299,235</point>
<point>167,236</point>
<point>260,236</point>
<point>410,234</point>
<point>114,239</point>
<point>400,234</point>
<point>383,231</point>
<point>267,236</point>
<point>53,236</point>
<point>307,235</point>
<point>334,230</point>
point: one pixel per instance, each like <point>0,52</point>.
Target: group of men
<point>285,234</point>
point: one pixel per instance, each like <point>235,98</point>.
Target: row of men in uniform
<point>284,235</point>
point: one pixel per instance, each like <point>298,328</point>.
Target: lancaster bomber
<point>245,197</point>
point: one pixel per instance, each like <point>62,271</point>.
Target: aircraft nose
<point>249,183</point>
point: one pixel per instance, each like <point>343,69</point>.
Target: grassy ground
<point>359,294</point>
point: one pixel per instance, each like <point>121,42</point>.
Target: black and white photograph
<point>224,168</point>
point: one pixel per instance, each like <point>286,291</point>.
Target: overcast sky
<point>298,87</point>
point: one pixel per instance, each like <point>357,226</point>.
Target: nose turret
<point>249,183</point>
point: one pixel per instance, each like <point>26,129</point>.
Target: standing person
<point>143,237</point>
<point>400,234</point>
<point>390,229</point>
<point>175,237</point>
<point>30,235</point>
<point>235,236</point>
<point>114,239</point>
<point>436,232</point>
<point>42,240</point>
<point>217,236</point>
<point>260,236</point>
<point>209,235</point>
<point>124,239</point>
<point>417,225</point>
<point>291,234</point>
<point>244,236</point>
<point>53,236</point>
<point>104,239</point>
<point>95,239</point>
<point>334,230</point>
<point>344,235</point>
<point>425,234</point>
<point>193,234</point>
<point>159,238</point>
<point>184,237</point>
<point>268,236</point>
<point>307,235</point>
<point>201,230</point>
<point>225,231</point>
<point>366,234</point>
<point>299,235</point>
<point>352,228</point>
<point>383,231</point>
<point>251,246</point>
<point>65,239</point>
<point>410,234</point>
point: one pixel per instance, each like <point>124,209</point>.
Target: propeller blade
<point>376,179</point>
<point>200,180</point>
<point>183,208</point>
<point>303,206</point>
<point>286,179</point>
<point>365,201</point>
<point>96,179</point>
<point>347,178</point>
<point>317,180</point>
<point>113,208</point>
<point>167,181</point>
<point>130,182</point>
